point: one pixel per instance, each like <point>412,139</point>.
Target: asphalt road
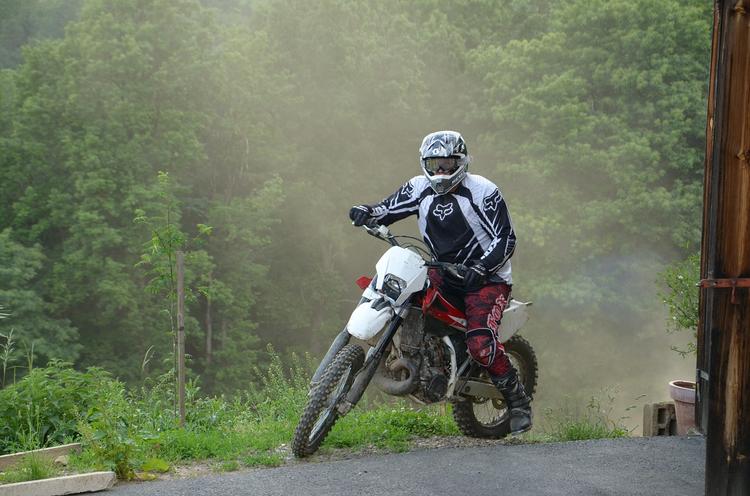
<point>663,466</point>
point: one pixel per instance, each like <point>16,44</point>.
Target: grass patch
<point>570,422</point>
<point>390,427</point>
<point>30,468</point>
<point>229,466</point>
<point>155,465</point>
<point>263,460</point>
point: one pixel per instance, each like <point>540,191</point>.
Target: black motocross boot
<point>519,403</point>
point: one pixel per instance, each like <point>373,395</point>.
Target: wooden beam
<point>181,335</point>
<point>724,328</point>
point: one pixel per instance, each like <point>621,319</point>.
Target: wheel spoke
<point>489,412</point>
<point>490,417</point>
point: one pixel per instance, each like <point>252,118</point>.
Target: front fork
<point>369,368</point>
<point>341,340</point>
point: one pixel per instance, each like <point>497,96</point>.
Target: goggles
<point>448,165</point>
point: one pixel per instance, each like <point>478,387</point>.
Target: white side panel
<point>514,317</point>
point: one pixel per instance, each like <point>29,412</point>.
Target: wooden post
<point>724,327</point>
<point>209,323</point>
<point>181,335</point>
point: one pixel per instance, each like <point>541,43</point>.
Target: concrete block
<point>48,453</point>
<point>659,419</point>
<point>58,486</point>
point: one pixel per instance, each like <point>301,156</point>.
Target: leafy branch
<point>682,299</point>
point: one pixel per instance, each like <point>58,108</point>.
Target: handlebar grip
<point>456,270</point>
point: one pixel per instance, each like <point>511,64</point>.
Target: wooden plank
<point>47,453</point>
<point>725,317</point>
<point>58,486</point>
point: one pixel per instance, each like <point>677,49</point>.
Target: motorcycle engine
<point>428,353</point>
<point>437,387</point>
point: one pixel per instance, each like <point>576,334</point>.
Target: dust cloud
<point>359,122</point>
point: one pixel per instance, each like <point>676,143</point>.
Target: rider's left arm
<point>497,221</point>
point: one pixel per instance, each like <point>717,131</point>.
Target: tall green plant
<point>160,251</point>
<point>681,279</point>
<point>6,352</point>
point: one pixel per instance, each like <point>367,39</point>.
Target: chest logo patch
<point>443,211</point>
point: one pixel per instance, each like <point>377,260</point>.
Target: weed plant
<point>569,423</point>
<point>6,351</point>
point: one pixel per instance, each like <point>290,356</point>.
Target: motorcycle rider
<point>463,219</point>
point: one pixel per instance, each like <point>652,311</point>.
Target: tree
<point>26,313</point>
<point>23,21</point>
<point>599,121</point>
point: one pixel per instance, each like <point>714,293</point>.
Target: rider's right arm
<point>401,204</point>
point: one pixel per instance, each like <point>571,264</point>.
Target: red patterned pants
<point>484,311</point>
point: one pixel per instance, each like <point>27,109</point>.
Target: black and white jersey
<point>471,223</point>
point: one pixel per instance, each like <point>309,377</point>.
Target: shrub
<point>682,298</point>
<point>45,407</point>
<point>282,395</point>
<point>110,432</point>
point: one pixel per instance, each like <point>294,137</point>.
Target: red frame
<point>433,304</point>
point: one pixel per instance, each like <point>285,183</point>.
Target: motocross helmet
<point>444,160</point>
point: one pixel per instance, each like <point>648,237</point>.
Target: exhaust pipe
<point>394,387</point>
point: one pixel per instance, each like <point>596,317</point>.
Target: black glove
<point>475,276</point>
<point>360,214</point>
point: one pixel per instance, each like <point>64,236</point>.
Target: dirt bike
<point>416,349</point>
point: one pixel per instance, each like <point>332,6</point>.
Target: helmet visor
<point>446,165</point>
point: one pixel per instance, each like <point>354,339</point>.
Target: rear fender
<point>514,317</point>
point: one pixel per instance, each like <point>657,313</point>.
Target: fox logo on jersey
<point>493,201</point>
<point>443,211</point>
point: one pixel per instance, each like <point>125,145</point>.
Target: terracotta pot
<point>683,394</point>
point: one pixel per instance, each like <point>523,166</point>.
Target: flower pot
<point>683,394</point>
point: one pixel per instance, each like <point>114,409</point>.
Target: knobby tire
<point>524,359</point>
<point>321,413</point>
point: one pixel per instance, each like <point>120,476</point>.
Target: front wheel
<point>489,417</point>
<point>320,413</point>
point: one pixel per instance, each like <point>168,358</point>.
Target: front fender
<point>369,318</point>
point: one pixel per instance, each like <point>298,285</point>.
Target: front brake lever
<point>378,230</point>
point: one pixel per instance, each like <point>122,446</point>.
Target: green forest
<point>241,132</point>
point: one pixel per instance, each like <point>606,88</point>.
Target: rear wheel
<point>320,413</point>
<point>489,417</point>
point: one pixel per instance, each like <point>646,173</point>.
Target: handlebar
<point>380,232</point>
<point>383,233</point>
<point>456,270</point>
